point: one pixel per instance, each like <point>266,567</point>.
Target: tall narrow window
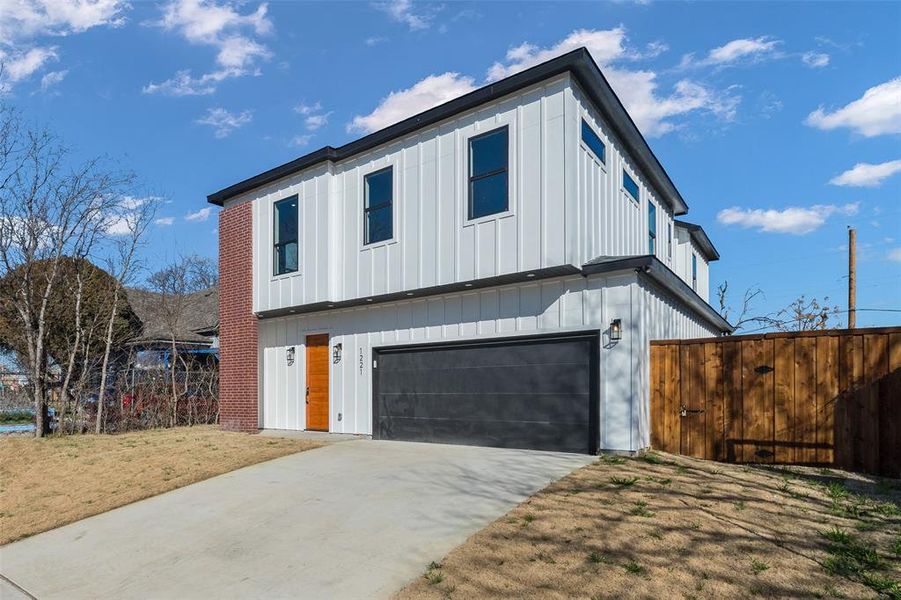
<point>488,173</point>
<point>694,272</point>
<point>630,186</point>
<point>285,236</point>
<point>669,240</point>
<point>378,214</point>
<point>652,228</point>
<point>594,143</point>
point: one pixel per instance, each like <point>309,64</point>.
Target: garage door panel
<point>563,408</point>
<point>524,379</point>
<point>538,392</point>
<point>560,437</point>
<point>492,354</point>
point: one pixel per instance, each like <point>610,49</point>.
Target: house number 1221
<point>361,361</point>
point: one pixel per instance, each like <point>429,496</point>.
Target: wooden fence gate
<point>829,398</point>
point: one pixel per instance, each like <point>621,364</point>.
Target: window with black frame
<point>378,214</point>
<point>652,228</point>
<point>694,272</point>
<point>488,173</point>
<point>285,236</point>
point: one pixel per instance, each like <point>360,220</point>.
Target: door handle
<point>308,395</point>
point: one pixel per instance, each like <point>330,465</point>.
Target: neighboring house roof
<point>700,238</point>
<point>657,271</point>
<point>578,62</point>
<point>197,323</point>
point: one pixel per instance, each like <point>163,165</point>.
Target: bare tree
<point>135,221</point>
<point>807,315</point>
<point>49,209</point>
<point>177,285</point>
<point>743,316</point>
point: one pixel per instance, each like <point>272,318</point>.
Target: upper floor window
<point>378,214</point>
<point>669,241</point>
<point>694,272</point>
<point>488,173</point>
<point>652,228</point>
<point>630,186</point>
<point>593,142</point>
<point>285,236</point>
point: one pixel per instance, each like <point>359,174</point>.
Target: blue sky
<point>779,122</point>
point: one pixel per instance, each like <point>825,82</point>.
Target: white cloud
<point>165,221</point>
<point>375,40</point>
<point>22,21</point>
<point>221,26</point>
<point>403,11</point>
<point>867,175</point>
<point>53,78</point>
<point>224,122</point>
<point>126,215</point>
<point>637,89</point>
<point>815,60</point>
<point>894,254</point>
<point>314,122</point>
<point>200,216</point>
<point>795,220</point>
<point>742,50</point>
<point>878,112</point>
<point>307,109</point>
<point>25,19</point>
<point>398,105</point>
<point>20,65</point>
<point>300,140</point>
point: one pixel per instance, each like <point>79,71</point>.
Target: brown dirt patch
<point>45,483</point>
<point>682,528</point>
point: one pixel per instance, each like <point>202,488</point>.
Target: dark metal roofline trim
<point>436,290</point>
<point>661,274</point>
<point>700,237</point>
<point>578,62</point>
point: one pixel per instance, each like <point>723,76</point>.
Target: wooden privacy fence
<point>829,398</point>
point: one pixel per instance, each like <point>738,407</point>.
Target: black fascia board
<point>436,290</point>
<point>700,237</point>
<point>651,267</point>
<point>578,62</point>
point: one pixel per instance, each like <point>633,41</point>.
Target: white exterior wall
<point>434,243</point>
<point>661,318</point>
<point>610,222</point>
<point>566,304</point>
<point>685,248</point>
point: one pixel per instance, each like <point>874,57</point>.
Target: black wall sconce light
<point>336,353</point>
<point>290,355</point>
<point>616,330</point>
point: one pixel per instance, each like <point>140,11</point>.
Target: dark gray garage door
<point>539,393</point>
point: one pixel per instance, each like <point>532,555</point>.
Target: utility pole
<point>852,278</point>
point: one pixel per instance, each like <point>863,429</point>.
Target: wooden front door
<point>317,382</point>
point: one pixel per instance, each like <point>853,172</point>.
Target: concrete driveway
<point>356,519</point>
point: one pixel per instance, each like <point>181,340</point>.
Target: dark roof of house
<point>700,238</point>
<point>578,62</point>
<point>651,266</point>
<point>198,321</point>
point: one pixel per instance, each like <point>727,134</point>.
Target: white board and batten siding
<point>565,304</point>
<point>610,222</point>
<point>434,243</point>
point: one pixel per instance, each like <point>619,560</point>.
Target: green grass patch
<point>623,482</point>
<point>633,567</point>
<point>641,510</point>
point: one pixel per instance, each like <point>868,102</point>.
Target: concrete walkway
<point>357,519</point>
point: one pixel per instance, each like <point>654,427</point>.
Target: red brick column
<point>237,323</point>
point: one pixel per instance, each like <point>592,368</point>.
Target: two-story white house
<point>489,272</point>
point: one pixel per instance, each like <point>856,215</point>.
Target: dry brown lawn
<point>45,483</point>
<point>674,527</point>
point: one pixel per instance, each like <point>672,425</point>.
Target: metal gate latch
<point>684,410</point>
